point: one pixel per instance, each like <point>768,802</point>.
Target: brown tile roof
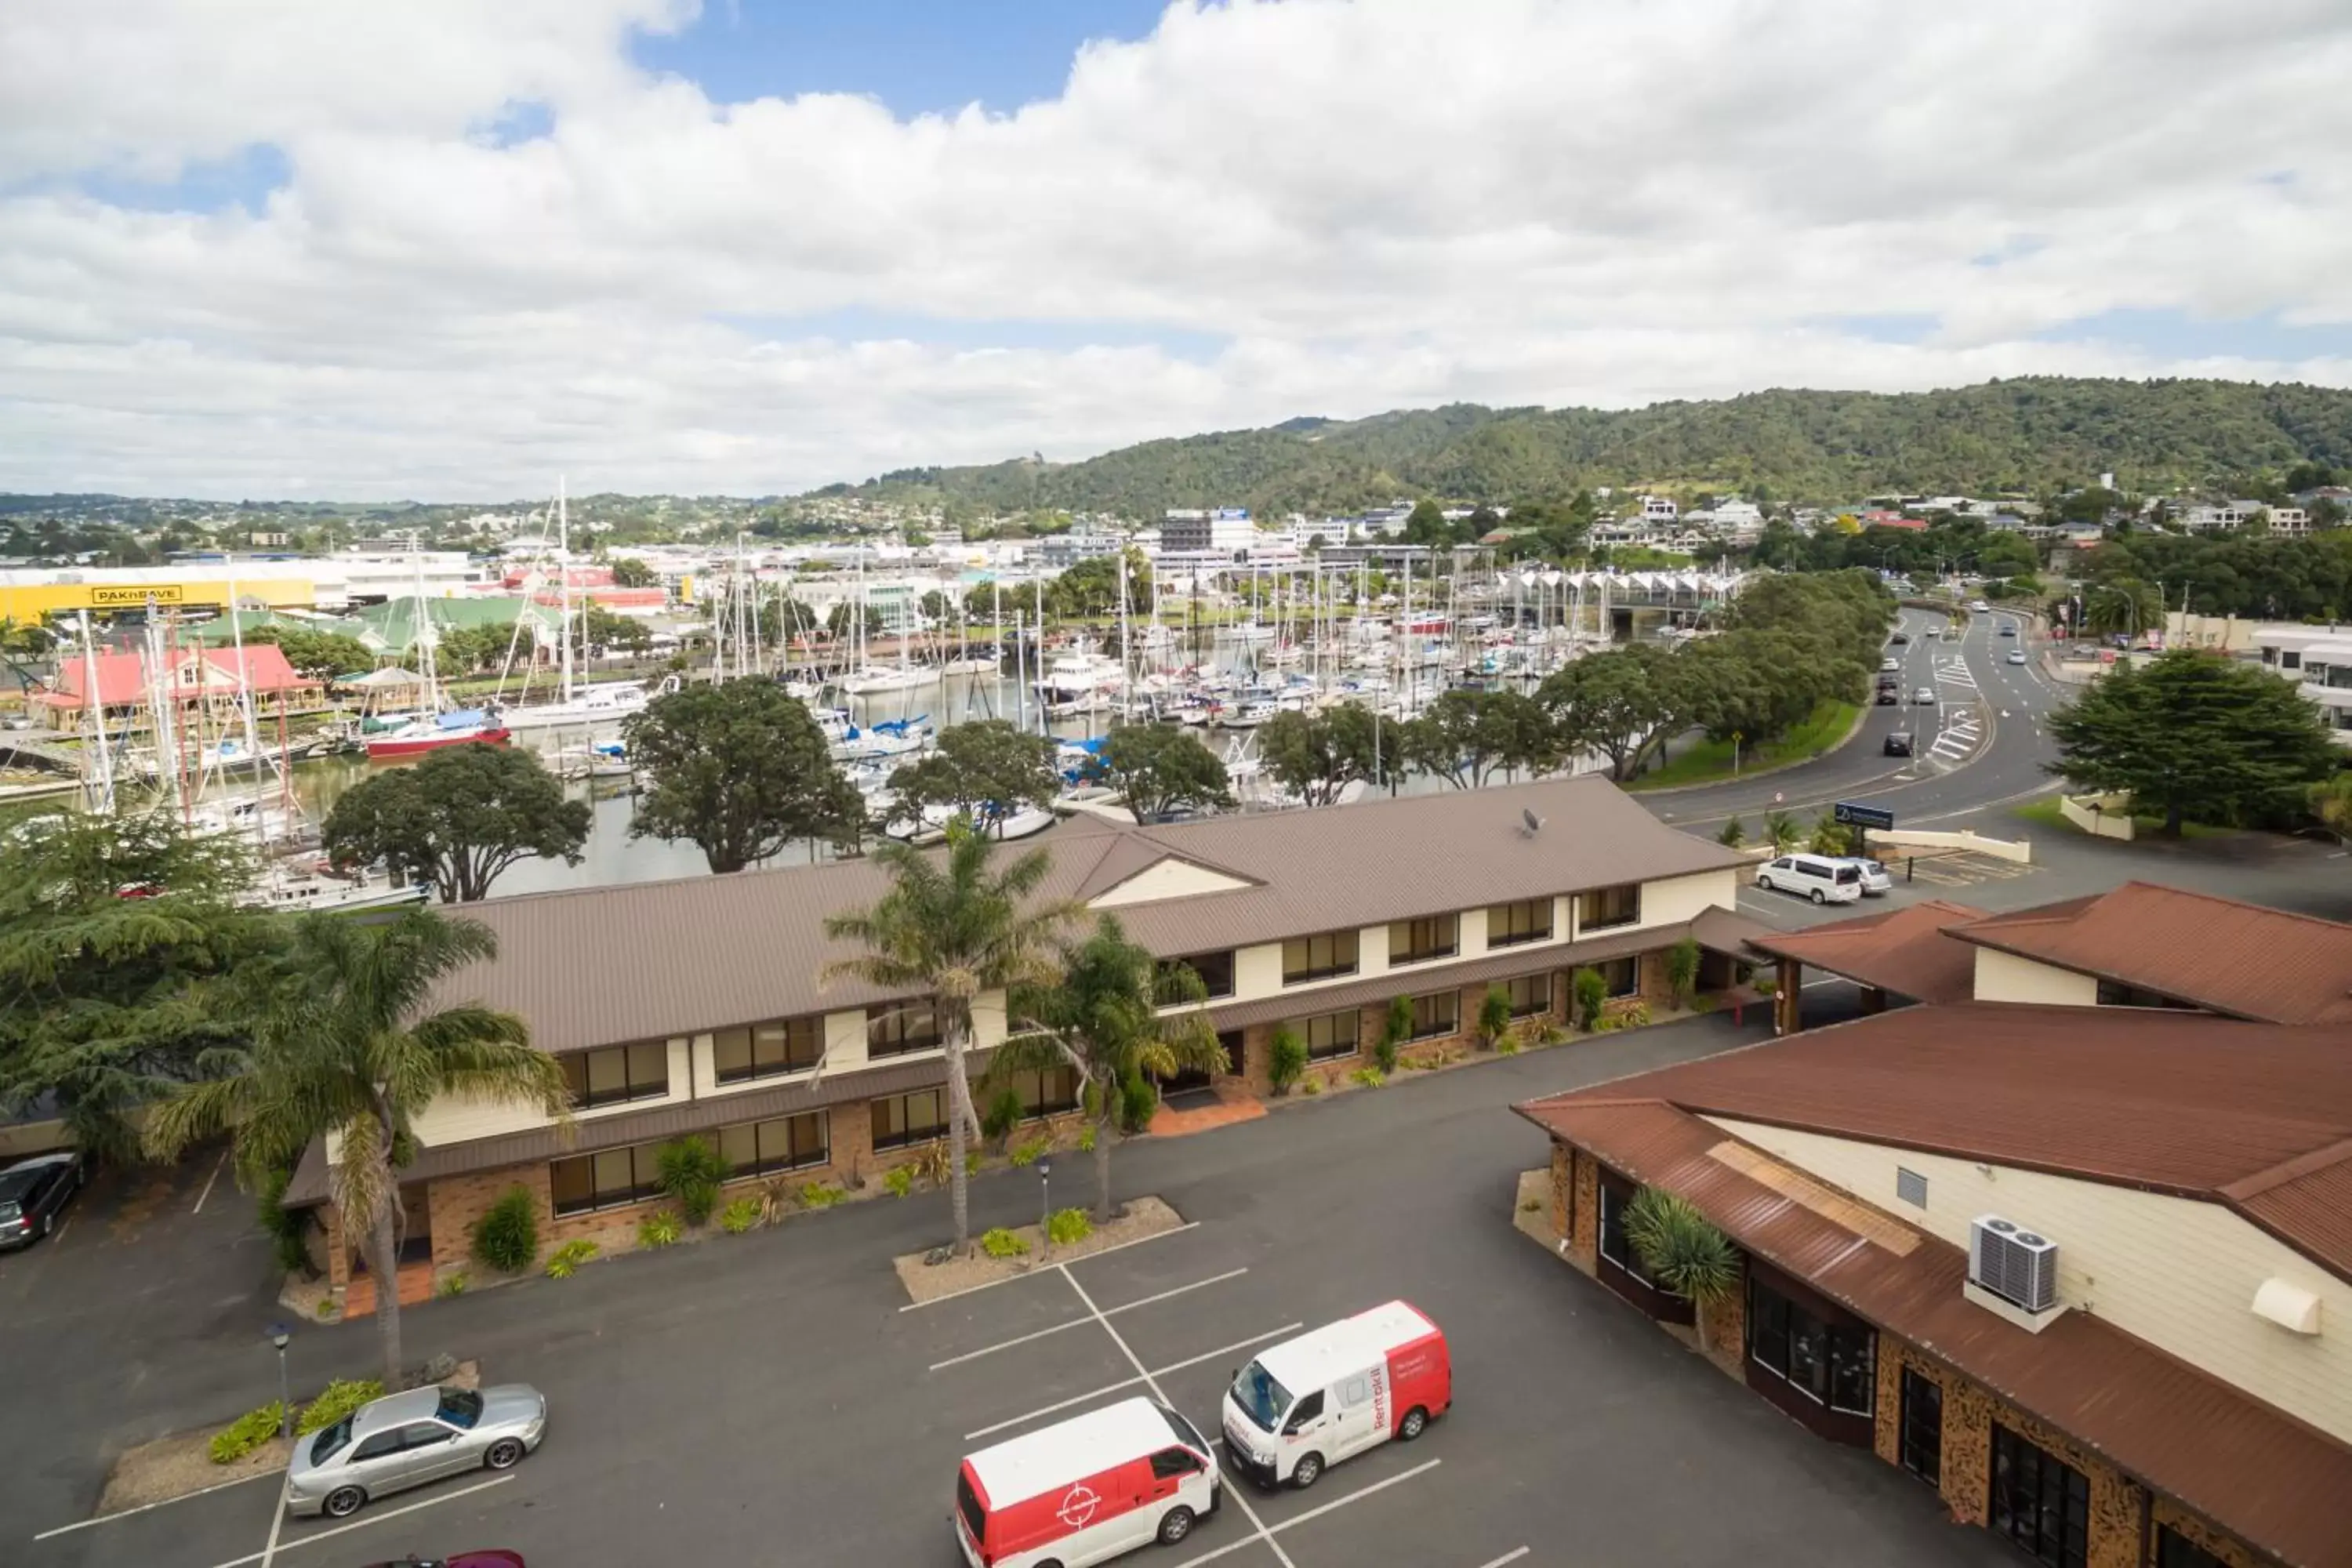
<point>2235,958</point>
<point>602,965</point>
<point>1908,951</point>
<point>2258,1472</point>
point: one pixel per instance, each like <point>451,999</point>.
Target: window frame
<point>1220,963</point>
<point>643,1171</point>
<point>1038,1106</point>
<point>584,1095</point>
<point>1612,1229</point>
<point>2020,1512</point>
<point>2174,1550</point>
<point>1632,968</point>
<point>893,1022</point>
<point>806,1029</point>
<point>1453,1023</point>
<point>905,1138</point>
<point>1781,1327</point>
<point>760,1164</point>
<point>1510,937</point>
<point>1412,950</point>
<point>1332,965</point>
<point>1539,985</point>
<point>1919,1426</point>
<point>1591,899</point>
<point>1306,1028</point>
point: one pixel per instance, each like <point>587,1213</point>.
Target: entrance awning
<point>1904,951</point>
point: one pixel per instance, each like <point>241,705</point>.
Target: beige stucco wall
<point>1676,900</point>
<point>2178,1272</point>
<point>1169,878</point>
<point>455,1119</point>
<point>2004,977</point>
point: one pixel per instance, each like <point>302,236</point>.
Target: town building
<point>1226,531</point>
<point>2070,1241</point>
<point>2319,659</point>
<point>699,1005</point>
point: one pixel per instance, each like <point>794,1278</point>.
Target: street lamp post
<point>1045,1206</point>
<point>281,1336</point>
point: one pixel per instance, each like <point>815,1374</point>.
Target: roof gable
<point>1168,877</point>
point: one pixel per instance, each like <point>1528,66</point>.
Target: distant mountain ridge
<point>2028,436</point>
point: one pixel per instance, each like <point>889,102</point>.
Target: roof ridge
<point>2285,1170</point>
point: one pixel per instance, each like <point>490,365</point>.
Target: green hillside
<point>2030,436</point>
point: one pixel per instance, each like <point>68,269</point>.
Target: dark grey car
<point>33,1193</point>
<point>404,1441</point>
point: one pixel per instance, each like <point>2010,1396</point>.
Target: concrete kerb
<point>1861,718</point>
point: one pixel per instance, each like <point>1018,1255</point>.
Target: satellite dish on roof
<point>1534,822</point>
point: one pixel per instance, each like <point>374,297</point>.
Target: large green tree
<point>459,819</point>
<point>112,933</point>
<point>1315,756</point>
<point>986,770</point>
<point>1163,770</point>
<point>1621,704</point>
<point>1103,1019</point>
<point>954,927</point>
<point>2192,735</point>
<point>739,769</point>
<point>1466,737</point>
<point>346,1045</point>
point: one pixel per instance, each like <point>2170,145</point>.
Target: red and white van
<point>1085,1489</point>
<point>1308,1402</point>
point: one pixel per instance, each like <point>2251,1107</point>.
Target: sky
<point>445,250</point>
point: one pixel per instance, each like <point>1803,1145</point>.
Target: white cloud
<point>1366,205</point>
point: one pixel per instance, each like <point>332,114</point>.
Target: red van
<point>1308,1402</point>
<point>1085,1489</point>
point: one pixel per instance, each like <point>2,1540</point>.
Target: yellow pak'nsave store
<point>23,600</point>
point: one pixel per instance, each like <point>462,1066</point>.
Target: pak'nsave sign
<point>133,597</point>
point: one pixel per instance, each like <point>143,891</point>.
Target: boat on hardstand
<point>460,727</point>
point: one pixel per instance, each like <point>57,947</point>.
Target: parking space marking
<point>1146,1379</point>
<point>364,1523</point>
<point>1506,1557</point>
<point>1338,1502</point>
<point>159,1502</point>
<point>1082,1323</point>
<point>1106,1252</point>
<point>208,1183</point>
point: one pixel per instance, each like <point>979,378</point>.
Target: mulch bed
<point>928,1282</point>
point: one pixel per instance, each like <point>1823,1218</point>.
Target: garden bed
<point>928,1282</point>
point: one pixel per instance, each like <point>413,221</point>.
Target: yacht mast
<point>93,705</point>
<point>564,575</point>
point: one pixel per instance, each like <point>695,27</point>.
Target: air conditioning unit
<point>2014,1263</point>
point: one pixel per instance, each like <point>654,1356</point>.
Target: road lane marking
<point>1104,1252</point>
<point>1082,1323</point>
<point>364,1523</point>
<point>1506,1557</point>
<point>1153,1383</point>
<point>1061,1404</point>
<point>208,1183</point>
<point>164,1502</point>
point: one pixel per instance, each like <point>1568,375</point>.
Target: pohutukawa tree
<point>459,819</point>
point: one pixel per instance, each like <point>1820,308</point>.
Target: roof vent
<point>2013,1264</point>
<point>1911,1188</point>
<point>2291,1307</point>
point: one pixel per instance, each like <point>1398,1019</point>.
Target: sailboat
<point>433,728</point>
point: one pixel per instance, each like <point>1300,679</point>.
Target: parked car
<point>33,1193</point>
<point>1815,877</point>
<point>1330,1394</point>
<point>494,1558</point>
<point>2016,656</point>
<point>407,1439</point>
<point>2007,629</point>
<point>1899,744</point>
<point>1925,697</point>
<point>1874,878</point>
<point>1086,1489</point>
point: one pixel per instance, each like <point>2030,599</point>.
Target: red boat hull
<point>417,745</point>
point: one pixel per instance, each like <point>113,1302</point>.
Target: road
<point>1980,746</point>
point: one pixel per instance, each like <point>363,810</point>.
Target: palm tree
<point>1104,1020</point>
<point>344,1043</point>
<point>951,928</point>
<point>1682,1251</point>
<point>1780,831</point>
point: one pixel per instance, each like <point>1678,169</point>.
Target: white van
<point>1815,877</point>
<point>1085,1489</point>
<point>1308,1402</point>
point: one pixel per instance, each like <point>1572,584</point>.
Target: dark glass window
<point>785,1143</point>
<point>1614,1244</point>
<point>905,1119</point>
<point>1507,925</point>
<point>1437,1013</point>
<point>897,1028</point>
<point>1047,1092</point>
<point>1622,975</point>
<point>1170,1463</point>
<point>2041,1504</point>
<point>1605,907</point>
<point>606,1179</point>
<point>1215,970</point>
<point>1319,957</point>
<point>1329,1033</point>
<point>618,1075</point>
<point>1530,993</point>
<point>2174,1550</point>
<point>2116,993</point>
<point>767,1050</point>
<point>1923,1428</point>
<point>1414,941</point>
<point>1832,1363</point>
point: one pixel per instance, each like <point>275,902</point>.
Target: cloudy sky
<point>448,249</point>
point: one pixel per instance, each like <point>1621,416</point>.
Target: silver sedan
<point>404,1441</point>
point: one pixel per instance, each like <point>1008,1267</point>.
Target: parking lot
<point>768,1399</point>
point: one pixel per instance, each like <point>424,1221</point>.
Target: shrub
<point>1286,1059</point>
<point>1685,1252</point>
<point>688,1171</point>
<point>972,1162</point>
<point>659,1228</point>
<point>284,1226</point>
<point>337,1400</point>
<point>1024,1155</point>
<point>507,1236</point>
<point>1087,1139</point>
<point>1371,1078</point>
<point>1682,971</point>
<point>1766,984</point>
<point>1590,993</point>
<point>739,1216</point>
<point>247,1433</point>
<point>1002,1243</point>
<point>1138,1101</point>
<point>1550,1034</point>
<point>1830,836</point>
<point>1068,1226</point>
<point>1508,1045</point>
<point>1780,830</point>
<point>1395,1030</point>
<point>1635,1015</point>
<point>817,1196</point>
<point>1733,833</point>
<point>900,1180</point>
<point>452,1285</point>
<point>1003,1115</point>
<point>569,1256</point>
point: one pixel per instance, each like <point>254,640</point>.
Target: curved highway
<point>1980,746</point>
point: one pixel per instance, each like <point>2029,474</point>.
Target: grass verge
<point>2045,812</point>
<point>1709,761</point>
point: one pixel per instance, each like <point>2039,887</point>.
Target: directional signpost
<point>1861,819</point>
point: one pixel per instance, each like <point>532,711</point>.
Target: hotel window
<point>1305,958</point>
<point>767,1050</point>
<point>618,1075</point>
<point>1527,920</point>
<point>1215,970</point>
<point>2174,1550</point>
<point>1834,1365</point>
<point>605,1180</point>
<point>1604,908</point>
<point>1435,1014</point>
<point>2116,993</point>
<point>786,1143</point>
<point>1416,941</point>
<point>2041,1504</point>
<point>1622,975</point>
<point>1530,993</point>
<point>1614,1244</point>
<point>1329,1034</point>
<point>895,1029</point>
<point>1049,1092</point>
<point>1923,1428</point>
<point>905,1119</point>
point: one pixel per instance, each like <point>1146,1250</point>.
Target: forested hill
<point>2030,436</point>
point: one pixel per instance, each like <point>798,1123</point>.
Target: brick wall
<point>2230,1549</point>
<point>1726,1328</point>
<point>1563,1189</point>
<point>1584,1246</point>
<point>454,1202</point>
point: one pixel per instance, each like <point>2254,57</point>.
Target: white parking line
<point>208,1183</point>
<point>362,1523</point>
<point>1338,1502</point>
<point>1082,1323</point>
<point>165,1502</point>
<point>1061,1404</point>
<point>1506,1557</point>
<point>1105,1252</point>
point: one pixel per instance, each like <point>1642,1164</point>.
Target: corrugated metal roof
<point>2259,1473</point>
<point>2306,1202</point>
<point>2236,958</point>
<point>1909,951</point>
